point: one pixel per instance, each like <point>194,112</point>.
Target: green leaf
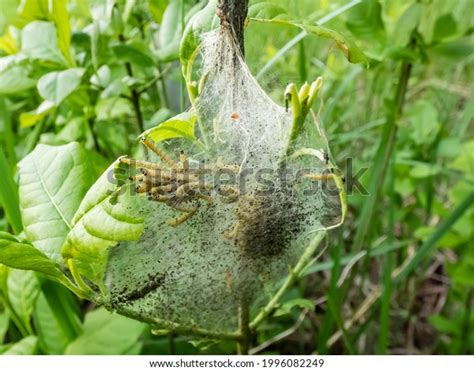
<point>60,16</point>
<point>346,45</point>
<point>286,307</point>
<point>9,194</point>
<point>14,78</point>
<point>406,24</point>
<point>56,86</point>
<point>53,181</point>
<point>23,290</point>
<point>455,50</point>
<point>135,53</point>
<point>365,21</point>
<point>423,117</point>
<point>107,333</point>
<point>22,255</point>
<point>100,223</point>
<point>157,9</point>
<point>445,325</point>
<point>424,170</point>
<point>444,27</point>
<point>39,41</point>
<point>464,161</point>
<point>201,22</point>
<point>436,14</point>
<point>31,10</point>
<point>26,346</point>
<point>266,10</point>
<point>366,24</point>
<point>65,308</point>
<point>8,14</point>
<point>169,34</point>
<point>180,126</point>
<point>172,27</point>
<point>31,118</point>
<point>52,338</point>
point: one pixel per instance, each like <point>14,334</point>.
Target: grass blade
<point>387,275</point>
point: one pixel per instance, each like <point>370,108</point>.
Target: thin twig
<point>244,330</point>
<point>177,329</point>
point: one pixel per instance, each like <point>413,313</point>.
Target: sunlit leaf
<point>180,126</point>
<point>25,346</point>
<point>406,24</point>
<point>14,78</point>
<point>266,10</point>
<point>22,255</point>
<point>60,16</point>
<point>172,28</point>
<point>53,181</point>
<point>56,86</point>
<point>100,223</point>
<point>8,43</point>
<point>201,22</point>
<point>366,24</point>
<point>346,45</point>
<point>28,119</point>
<point>23,290</point>
<point>157,9</point>
<point>39,41</point>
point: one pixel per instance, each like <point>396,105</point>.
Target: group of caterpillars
<point>176,184</point>
<point>179,186</point>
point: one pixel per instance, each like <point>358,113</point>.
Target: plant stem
<point>178,329</point>
<point>135,94</point>
<point>290,280</point>
<point>232,14</point>
<point>243,344</point>
<point>382,157</point>
<point>384,321</point>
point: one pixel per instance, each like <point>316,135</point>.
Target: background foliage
<point>90,76</point>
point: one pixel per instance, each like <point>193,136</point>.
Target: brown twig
<point>232,14</point>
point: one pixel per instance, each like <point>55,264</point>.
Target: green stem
<point>164,92</point>
<point>384,153</point>
<point>243,344</point>
<point>290,280</point>
<point>296,128</point>
<point>177,329</point>
<point>183,81</point>
<point>387,275</point>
